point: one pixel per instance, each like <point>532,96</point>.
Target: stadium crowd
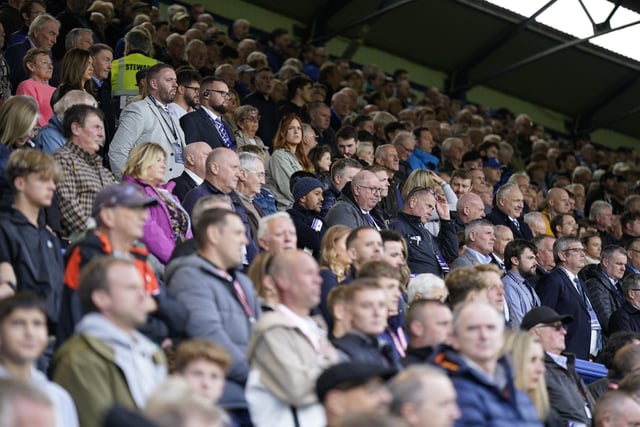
<point>206,226</point>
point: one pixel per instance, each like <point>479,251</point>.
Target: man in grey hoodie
<point>23,334</point>
<point>107,361</point>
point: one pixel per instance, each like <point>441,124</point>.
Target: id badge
<point>443,264</point>
<point>179,154</point>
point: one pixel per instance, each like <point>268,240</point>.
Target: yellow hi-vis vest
<point>123,73</point>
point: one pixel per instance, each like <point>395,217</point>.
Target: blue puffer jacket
<point>481,402</point>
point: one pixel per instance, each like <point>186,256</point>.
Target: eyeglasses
<point>557,326</point>
<point>253,118</point>
<point>221,92</point>
<point>578,250</point>
<point>192,88</point>
<point>374,190</point>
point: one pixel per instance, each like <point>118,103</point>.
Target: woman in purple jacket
<point>168,222</point>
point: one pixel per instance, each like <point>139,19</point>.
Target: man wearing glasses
<point>568,395</point>
<point>354,205</point>
<point>561,289</point>
<point>207,123</point>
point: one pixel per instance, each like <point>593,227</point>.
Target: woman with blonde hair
<point>527,360</point>
<point>18,119</point>
<point>265,288</point>
<point>288,157</point>
<point>39,67</point>
<point>441,188</point>
<point>334,262</point>
<point>168,223</point>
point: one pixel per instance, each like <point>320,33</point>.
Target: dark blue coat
<point>206,189</point>
<point>626,318</point>
<point>423,246</point>
<point>481,402</point>
<point>198,126</point>
<point>556,291</point>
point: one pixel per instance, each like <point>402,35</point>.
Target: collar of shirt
<point>211,113</point>
<point>569,274</point>
<point>158,103</point>
<point>559,359</point>
<point>194,177</point>
<point>484,259</point>
<point>96,81</point>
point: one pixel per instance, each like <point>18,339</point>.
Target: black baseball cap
<point>348,375</point>
<point>545,315</point>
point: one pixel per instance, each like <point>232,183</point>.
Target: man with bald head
<point>358,198</point>
<point>469,207</point>
<point>617,408</point>
<point>288,349</point>
<point>222,171</point>
<point>508,210</point>
<point>557,202</point>
<point>195,159</point>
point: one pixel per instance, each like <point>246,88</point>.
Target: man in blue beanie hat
<point>305,213</point>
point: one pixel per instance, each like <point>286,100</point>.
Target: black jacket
<point>568,394</point>
<point>626,318</point>
<point>309,228</point>
<point>362,348</point>
<point>36,258</point>
<point>497,217</point>
<point>603,295</point>
<point>423,246</point>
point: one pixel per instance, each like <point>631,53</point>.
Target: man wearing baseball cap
<point>305,213</point>
<point>568,395</point>
<point>351,387</point>
<point>120,212</point>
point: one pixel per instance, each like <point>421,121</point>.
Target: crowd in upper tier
<point>296,239</point>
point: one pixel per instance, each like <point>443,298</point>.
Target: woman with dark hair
<point>77,70</point>
<point>288,157</point>
<point>320,158</point>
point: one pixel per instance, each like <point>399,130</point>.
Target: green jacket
<point>86,368</point>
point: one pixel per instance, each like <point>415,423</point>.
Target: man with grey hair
<point>50,137</point>
<point>482,378</point>
<point>424,397</point>
<point>43,33</point>
<point>508,208</point>
<point>504,235</point>
<point>277,233</point>
<point>562,290</point>
<point>601,213</point>
<point>250,182</point>
<point>22,405</point>
<point>627,317</point>
<point>603,283</point>
<point>354,205</point>
<point>468,208</point>
<point>479,237</point>
<point>536,222</point>
<point>426,286</point>
<point>451,153</point>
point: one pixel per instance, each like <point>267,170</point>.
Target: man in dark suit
<point>207,123</point>
<point>43,33</point>
<point>195,159</point>
<point>563,291</point>
<point>508,208</point>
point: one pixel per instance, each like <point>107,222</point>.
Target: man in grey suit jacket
<point>149,121</point>
<point>479,238</point>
